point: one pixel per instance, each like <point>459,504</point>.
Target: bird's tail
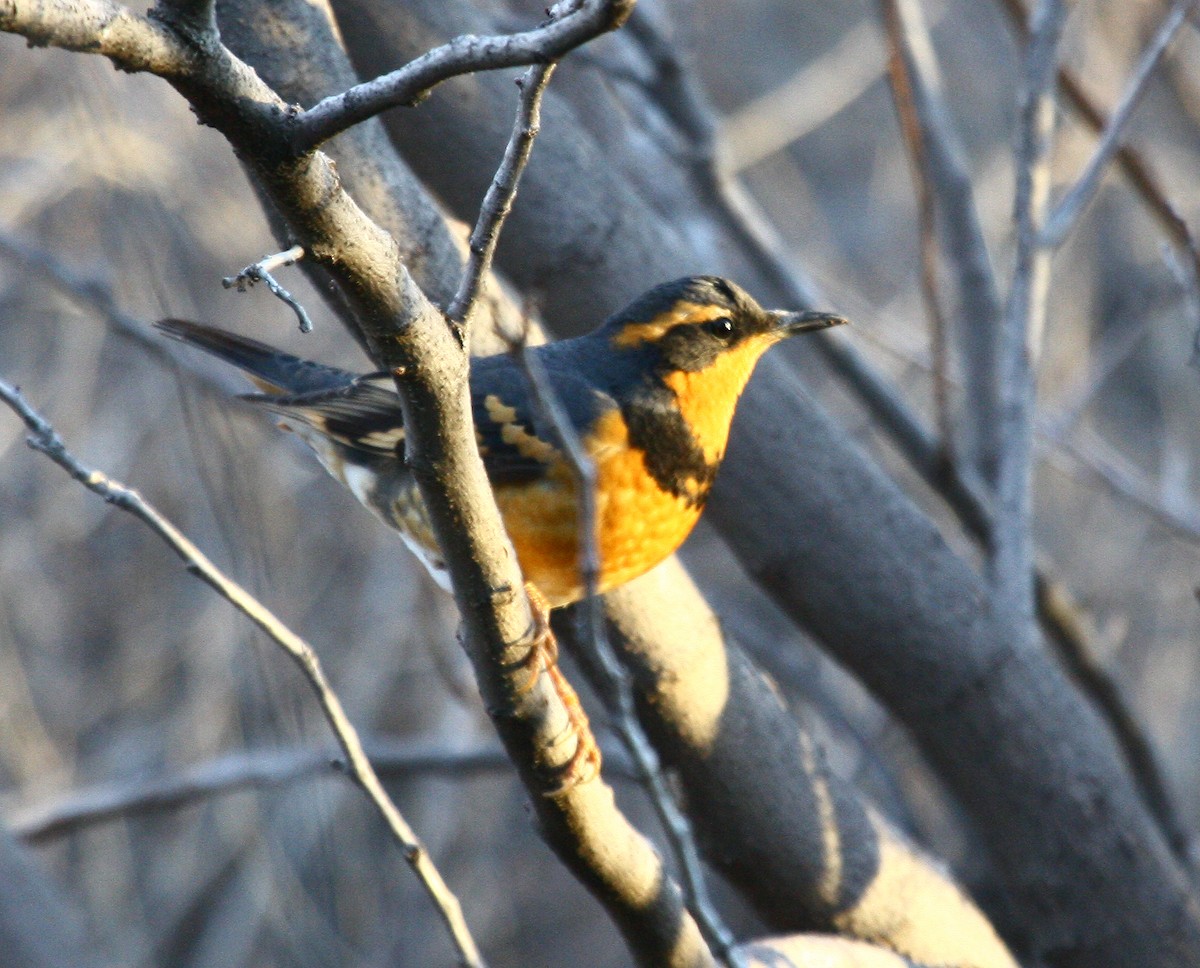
<point>358,414</point>
<point>272,370</point>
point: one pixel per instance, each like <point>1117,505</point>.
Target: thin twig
<point>572,23</point>
<point>1095,678</point>
<point>1130,162</point>
<point>610,678</point>
<point>261,272</point>
<point>1011,560</point>
<point>97,296</point>
<point>502,191</point>
<point>43,438</point>
<point>260,769</point>
<point>902,84</point>
<point>237,771</point>
<point>1064,216</point>
<point>963,244</point>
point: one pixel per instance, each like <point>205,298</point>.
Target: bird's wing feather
<point>516,439</point>
<point>363,415</point>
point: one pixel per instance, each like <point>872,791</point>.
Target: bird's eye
<point>721,328</point>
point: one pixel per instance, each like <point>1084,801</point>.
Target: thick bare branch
<point>132,41</point>
<point>799,842</point>
<point>575,825</point>
<point>407,335</point>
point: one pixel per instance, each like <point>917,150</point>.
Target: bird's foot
<point>584,764</point>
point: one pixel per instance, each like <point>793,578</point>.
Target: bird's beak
<point>789,324</point>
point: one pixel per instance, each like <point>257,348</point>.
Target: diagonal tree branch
<point>905,926</point>
<point>501,193</point>
<point>832,540</point>
<point>408,336</point>
<point>609,677</point>
<point>44,439</point>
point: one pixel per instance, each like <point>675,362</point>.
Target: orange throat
<point>708,398</point>
<point>639,523</point>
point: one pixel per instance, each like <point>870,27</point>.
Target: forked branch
<point>571,23</point>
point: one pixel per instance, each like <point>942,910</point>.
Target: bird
<point>650,395</point>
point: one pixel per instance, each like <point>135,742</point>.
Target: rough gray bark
<point>1030,760</point>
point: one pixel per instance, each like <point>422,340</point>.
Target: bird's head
<point>684,352</point>
<point>695,324</point>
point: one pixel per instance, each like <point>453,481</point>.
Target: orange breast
<point>638,524</point>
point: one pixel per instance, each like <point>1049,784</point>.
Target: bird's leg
<point>543,651</point>
<point>584,764</point>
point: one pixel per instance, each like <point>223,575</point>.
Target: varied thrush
<point>651,394</point>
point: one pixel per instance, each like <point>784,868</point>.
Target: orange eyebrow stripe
<point>684,312</point>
